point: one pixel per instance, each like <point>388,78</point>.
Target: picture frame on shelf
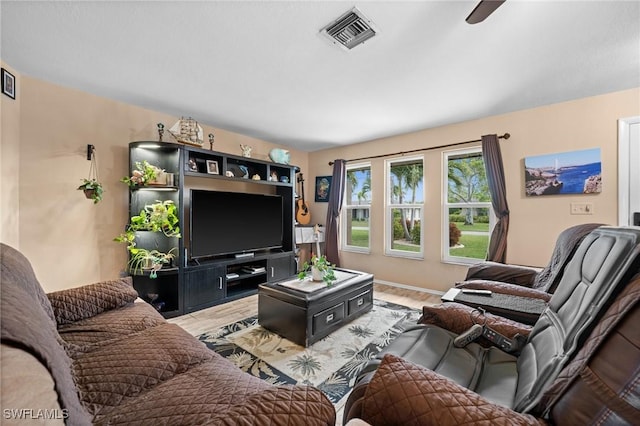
<point>212,167</point>
<point>323,189</point>
<point>8,84</point>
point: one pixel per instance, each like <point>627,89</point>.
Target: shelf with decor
<point>196,276</point>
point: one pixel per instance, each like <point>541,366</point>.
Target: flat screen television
<point>224,223</point>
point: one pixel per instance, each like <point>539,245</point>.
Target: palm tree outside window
<point>404,207</point>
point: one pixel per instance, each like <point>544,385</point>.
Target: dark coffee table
<point>305,312</point>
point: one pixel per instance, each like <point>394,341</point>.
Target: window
<point>356,209</point>
<point>403,207</point>
<point>468,216</point>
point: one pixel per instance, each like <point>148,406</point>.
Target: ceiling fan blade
<point>483,10</point>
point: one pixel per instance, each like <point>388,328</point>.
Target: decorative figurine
<point>256,177</point>
<point>160,131</point>
<point>279,155</point>
<point>211,141</point>
<point>229,173</point>
<point>246,150</point>
<point>274,177</point>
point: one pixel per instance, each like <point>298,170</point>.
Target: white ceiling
<point>262,69</point>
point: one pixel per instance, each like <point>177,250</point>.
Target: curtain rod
<point>505,137</point>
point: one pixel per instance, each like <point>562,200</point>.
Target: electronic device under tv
<point>233,223</point>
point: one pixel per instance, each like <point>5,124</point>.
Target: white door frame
<point>624,169</point>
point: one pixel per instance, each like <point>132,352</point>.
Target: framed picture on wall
<point>212,167</point>
<point>574,172</point>
<point>8,84</point>
<point>323,188</point>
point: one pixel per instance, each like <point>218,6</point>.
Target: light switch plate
<point>582,208</point>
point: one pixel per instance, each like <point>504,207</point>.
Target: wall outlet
<point>581,208</point>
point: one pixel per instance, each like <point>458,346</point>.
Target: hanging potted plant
<point>91,187</point>
<point>92,190</point>
<point>319,268</point>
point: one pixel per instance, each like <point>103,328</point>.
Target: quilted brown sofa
<point>92,355</point>
<point>580,364</point>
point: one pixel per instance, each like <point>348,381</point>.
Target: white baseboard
<point>408,287</point>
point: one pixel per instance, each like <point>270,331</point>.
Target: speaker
<point>636,219</point>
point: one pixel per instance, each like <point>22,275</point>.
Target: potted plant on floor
<point>92,190</point>
<point>319,268</point>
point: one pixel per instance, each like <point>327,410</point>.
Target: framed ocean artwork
<point>574,172</point>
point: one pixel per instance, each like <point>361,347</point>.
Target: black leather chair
<point>602,265</point>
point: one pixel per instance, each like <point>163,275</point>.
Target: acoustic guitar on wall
<point>303,216</point>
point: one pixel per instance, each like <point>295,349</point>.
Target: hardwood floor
<point>217,316</point>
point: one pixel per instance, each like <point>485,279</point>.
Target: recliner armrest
<point>514,274</point>
<point>403,393</point>
<point>457,318</point>
<point>505,288</point>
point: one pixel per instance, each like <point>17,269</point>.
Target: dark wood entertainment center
<point>190,285</point>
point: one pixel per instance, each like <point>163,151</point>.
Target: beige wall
<point>10,164</point>
<point>535,221</point>
<point>68,238</point>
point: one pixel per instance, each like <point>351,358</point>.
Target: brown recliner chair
<point>523,281</point>
<point>423,378</point>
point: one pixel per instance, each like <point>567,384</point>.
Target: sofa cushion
<point>17,270</point>
<point>403,393</point>
<point>109,325</point>
<point>28,324</point>
<point>26,384</point>
<point>75,304</point>
<point>126,367</point>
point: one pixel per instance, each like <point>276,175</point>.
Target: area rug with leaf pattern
<point>331,364</point>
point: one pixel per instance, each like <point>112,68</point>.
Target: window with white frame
<point>404,203</point>
<point>356,209</point>
<point>468,216</point>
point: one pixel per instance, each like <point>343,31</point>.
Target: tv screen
<point>223,223</point>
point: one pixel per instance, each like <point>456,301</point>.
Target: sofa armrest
<point>402,393</point>
<point>458,318</point>
<point>514,274</point>
<point>78,303</point>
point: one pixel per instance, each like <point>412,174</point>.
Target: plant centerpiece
<point>160,216</point>
<point>92,190</point>
<point>144,175</point>
<point>320,268</point>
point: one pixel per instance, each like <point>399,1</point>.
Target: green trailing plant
<point>92,190</point>
<point>161,216</point>
<point>152,260</point>
<point>144,174</point>
<point>322,265</point>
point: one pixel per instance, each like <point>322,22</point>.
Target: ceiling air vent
<point>350,30</point>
